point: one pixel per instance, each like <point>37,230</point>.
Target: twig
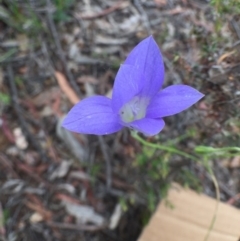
<point>2,229</point>
<point>40,209</point>
<point>46,54</point>
<point>8,165</point>
<point>17,108</point>
<point>19,207</point>
<point>60,52</point>
<point>108,162</point>
<point>24,168</point>
<point>117,183</point>
<point>144,16</point>
<point>75,227</point>
<point>128,196</point>
<point>111,9</point>
<point>173,72</point>
<point>235,27</point>
<point>234,199</point>
<point>6,130</point>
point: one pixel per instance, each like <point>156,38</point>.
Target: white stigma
<point>135,109</point>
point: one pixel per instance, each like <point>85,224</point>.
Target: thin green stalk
<point>163,148</point>
<point>7,55</point>
<point>207,149</point>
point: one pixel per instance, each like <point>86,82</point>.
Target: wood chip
<point>36,218</point>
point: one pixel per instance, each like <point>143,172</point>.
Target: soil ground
<point>60,186</point>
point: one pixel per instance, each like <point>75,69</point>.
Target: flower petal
<point>126,86</point>
<point>172,100</point>
<point>147,58</point>
<point>147,126</point>
<point>92,116</point>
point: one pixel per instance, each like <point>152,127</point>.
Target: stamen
<point>135,109</point>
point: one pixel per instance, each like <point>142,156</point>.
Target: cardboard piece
<point>190,218</point>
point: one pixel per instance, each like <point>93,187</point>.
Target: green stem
<point>163,148</point>
<point>210,150</point>
<point>229,148</point>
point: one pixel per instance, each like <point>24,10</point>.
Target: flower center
<point>135,109</point>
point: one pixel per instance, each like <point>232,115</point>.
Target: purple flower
<point>137,100</point>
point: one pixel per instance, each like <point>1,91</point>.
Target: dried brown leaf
<point>61,170</point>
<point>235,162</point>
<point>46,97</point>
<point>160,3</point>
<point>66,198</point>
<point>47,215</point>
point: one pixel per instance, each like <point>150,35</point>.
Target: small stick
<point>2,228</point>
<point>60,52</point>
<point>108,162</point>
<point>7,163</point>
<point>234,199</point>
<point>144,16</point>
<point>78,227</point>
<point>235,27</point>
<point>33,175</point>
<point>101,14</point>
<point>17,108</point>
<point>173,72</point>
